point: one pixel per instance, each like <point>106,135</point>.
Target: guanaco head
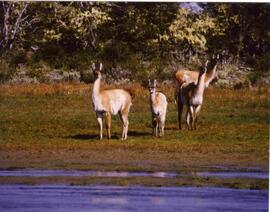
<point>203,68</point>
<point>152,87</point>
<point>215,60</point>
<point>97,70</point>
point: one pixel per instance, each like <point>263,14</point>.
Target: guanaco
<point>186,76</point>
<point>111,101</point>
<point>158,104</point>
<point>191,95</point>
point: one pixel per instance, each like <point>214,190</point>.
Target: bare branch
<point>6,24</point>
<point>93,38</point>
<point>18,21</point>
<point>10,29</point>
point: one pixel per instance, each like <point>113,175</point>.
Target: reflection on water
<point>258,175</point>
<point>110,198</point>
<point>77,173</point>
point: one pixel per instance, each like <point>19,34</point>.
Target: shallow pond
<point>111,198</point>
<point>257,175</point>
<point>78,173</point>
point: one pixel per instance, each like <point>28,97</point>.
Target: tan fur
<point>108,94</point>
<point>191,95</point>
<point>158,100</point>
<point>187,76</point>
<point>108,124</point>
<point>110,101</point>
<point>105,100</point>
<point>179,76</point>
<point>193,76</point>
<point>158,104</point>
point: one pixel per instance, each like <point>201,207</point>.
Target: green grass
<point>59,131</point>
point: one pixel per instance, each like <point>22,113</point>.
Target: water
<point>257,175</point>
<point>66,198</point>
<point>77,173</point>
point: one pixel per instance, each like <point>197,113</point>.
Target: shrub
<point>87,76</point>
<point>6,71</point>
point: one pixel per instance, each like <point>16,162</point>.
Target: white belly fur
<point>97,104</point>
<point>196,100</point>
<point>117,104</point>
<point>162,108</point>
<point>156,110</point>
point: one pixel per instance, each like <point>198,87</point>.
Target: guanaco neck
<point>96,86</point>
<point>210,75</point>
<point>153,97</point>
<point>200,84</point>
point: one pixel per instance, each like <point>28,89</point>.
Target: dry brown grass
<point>44,89</point>
<point>136,89</point>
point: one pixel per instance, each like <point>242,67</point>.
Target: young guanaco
<point>158,104</point>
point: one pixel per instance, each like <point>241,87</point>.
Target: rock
<point>53,76</point>
<point>222,75</point>
<point>263,81</point>
<point>121,82</point>
<point>74,76</point>
<point>59,76</point>
<point>222,83</point>
<point>65,75</point>
<point>168,82</point>
<point>242,84</point>
<point>22,78</point>
<point>232,76</point>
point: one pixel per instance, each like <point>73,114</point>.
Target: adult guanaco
<point>158,104</point>
<point>187,76</point>
<point>111,101</point>
<point>191,95</point>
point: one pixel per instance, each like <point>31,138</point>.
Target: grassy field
<point>54,127</point>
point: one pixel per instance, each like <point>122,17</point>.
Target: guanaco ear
<point>219,58</point>
<point>206,64</point>
<point>155,83</point>
<point>149,82</point>
<point>93,66</point>
<point>100,66</point>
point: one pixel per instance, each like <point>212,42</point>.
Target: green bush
<point>18,57</point>
<point>260,63</point>
<point>87,76</point>
<point>38,70</point>
<point>6,71</point>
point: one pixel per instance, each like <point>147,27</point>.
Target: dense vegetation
<point>132,39</point>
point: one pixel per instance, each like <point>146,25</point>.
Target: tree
<point>188,33</point>
<point>139,26</point>
<point>13,20</point>
<point>133,37</point>
<point>243,29</point>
